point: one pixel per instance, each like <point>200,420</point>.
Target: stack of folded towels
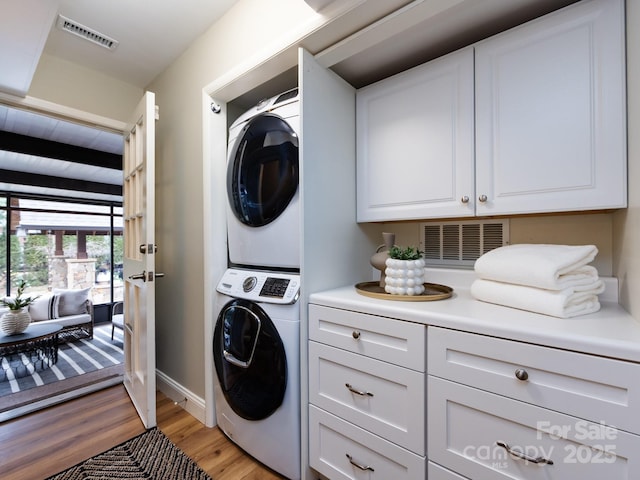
<point>553,280</point>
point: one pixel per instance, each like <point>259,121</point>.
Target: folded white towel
<point>566,303</point>
<point>553,267</point>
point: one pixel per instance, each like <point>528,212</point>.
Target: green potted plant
<point>17,319</point>
<point>404,272</point>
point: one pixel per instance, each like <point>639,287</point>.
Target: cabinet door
<point>488,437</point>
<point>415,142</point>
<point>386,339</point>
<point>382,398</point>
<point>587,386</point>
<point>342,451</point>
<point>550,113</point>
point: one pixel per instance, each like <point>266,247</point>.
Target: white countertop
<point>610,332</point>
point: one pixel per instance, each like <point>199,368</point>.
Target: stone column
<point>81,273</point>
<point>57,272</point>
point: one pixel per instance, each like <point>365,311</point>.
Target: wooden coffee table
<point>34,349</point>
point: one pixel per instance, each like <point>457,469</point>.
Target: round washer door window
<point>250,360</point>
<point>262,174</point>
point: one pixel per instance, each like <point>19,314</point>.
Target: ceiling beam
<point>48,181</point>
<point>14,142</point>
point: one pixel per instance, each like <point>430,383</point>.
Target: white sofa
<point>72,309</point>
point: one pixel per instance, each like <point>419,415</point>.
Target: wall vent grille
<point>87,33</point>
<point>460,244</point>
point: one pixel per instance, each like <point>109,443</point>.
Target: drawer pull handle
<point>355,334</point>
<point>524,456</point>
<point>357,465</point>
<point>521,374</point>
<point>358,392</point>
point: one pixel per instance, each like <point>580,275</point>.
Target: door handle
<point>145,276</point>
<point>147,248</point>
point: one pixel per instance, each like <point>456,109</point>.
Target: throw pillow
<point>44,307</point>
<point>72,302</point>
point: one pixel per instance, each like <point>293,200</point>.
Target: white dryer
<point>256,353</point>
<point>263,217</point>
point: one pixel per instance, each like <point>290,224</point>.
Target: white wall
<point>69,84</point>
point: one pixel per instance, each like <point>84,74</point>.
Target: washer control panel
<point>258,286</point>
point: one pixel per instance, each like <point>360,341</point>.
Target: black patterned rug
<point>149,456</point>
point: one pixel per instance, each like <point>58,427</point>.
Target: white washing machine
<point>263,216</point>
<point>256,353</point>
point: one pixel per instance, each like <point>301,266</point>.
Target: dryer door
<point>262,173</point>
<point>250,360</point>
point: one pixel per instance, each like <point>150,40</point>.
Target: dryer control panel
<point>259,286</point>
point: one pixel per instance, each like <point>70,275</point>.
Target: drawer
<point>380,397</point>
<point>342,451</point>
<point>386,339</point>
<point>466,424</point>
<point>436,472</point>
<point>595,388</point>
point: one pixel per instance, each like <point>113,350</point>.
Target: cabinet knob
<point>355,334</point>
<point>464,199</point>
<point>521,374</point>
<point>482,198</point>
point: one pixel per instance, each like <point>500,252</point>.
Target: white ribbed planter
<point>15,322</point>
<point>404,277</point>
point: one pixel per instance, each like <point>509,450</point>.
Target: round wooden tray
<point>432,291</point>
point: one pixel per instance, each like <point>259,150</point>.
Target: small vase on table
<point>404,272</point>
<point>378,259</point>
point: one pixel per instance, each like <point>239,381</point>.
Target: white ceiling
<point>151,34</point>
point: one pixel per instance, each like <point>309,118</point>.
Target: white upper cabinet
<point>415,142</point>
<point>549,133</point>
<point>550,113</point>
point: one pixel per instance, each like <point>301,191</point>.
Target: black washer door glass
<point>262,175</point>
<point>254,378</point>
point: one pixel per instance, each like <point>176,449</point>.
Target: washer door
<point>250,360</point>
<point>262,173</point>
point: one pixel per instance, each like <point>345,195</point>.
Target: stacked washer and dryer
<point>256,344</point>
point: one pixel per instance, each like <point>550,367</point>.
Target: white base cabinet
<point>396,399</point>
<point>499,408</point>
<point>367,397</point>
<point>486,436</point>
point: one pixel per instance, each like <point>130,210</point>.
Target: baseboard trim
<point>183,397</point>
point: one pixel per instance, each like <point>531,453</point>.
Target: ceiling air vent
<point>87,33</point>
<point>459,244</point>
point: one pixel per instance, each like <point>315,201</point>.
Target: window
<point>55,243</point>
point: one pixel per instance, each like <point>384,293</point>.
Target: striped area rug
<point>74,359</point>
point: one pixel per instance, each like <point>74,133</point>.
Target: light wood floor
<point>43,443</point>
